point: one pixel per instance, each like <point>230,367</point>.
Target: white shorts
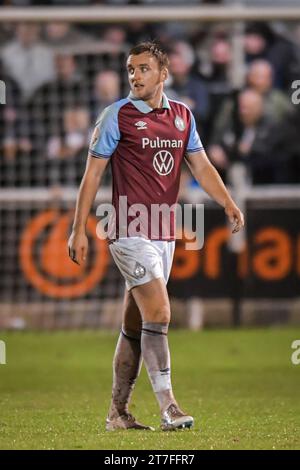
<point>140,260</point>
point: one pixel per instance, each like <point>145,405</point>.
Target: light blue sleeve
<point>106,135</point>
<point>194,143</point>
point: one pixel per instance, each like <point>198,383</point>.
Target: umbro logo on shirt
<point>140,125</point>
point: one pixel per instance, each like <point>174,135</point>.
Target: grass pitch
<point>240,386</point>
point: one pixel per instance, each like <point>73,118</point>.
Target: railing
<point>105,14</point>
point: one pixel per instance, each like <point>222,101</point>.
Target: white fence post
<point>2,352</point>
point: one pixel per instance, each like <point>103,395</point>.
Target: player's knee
<point>132,323</point>
<point>132,331</point>
<point>132,320</point>
<point>161,315</point>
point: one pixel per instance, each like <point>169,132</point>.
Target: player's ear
<point>165,74</point>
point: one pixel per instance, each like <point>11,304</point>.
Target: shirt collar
<point>143,107</point>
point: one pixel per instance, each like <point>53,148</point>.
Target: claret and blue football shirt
<point>146,147</point>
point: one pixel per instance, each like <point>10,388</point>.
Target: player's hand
<point>235,216</point>
<point>78,247</point>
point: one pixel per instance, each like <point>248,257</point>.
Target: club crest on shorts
<point>179,123</point>
<point>139,271</point>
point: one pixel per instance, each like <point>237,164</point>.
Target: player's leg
<point>146,266</point>
<point>126,368</point>
<point>128,358</point>
<point>153,302</point>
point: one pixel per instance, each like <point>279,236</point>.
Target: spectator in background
<point>114,44</point>
<point>260,78</point>
<point>261,42</point>
<point>15,144</point>
<point>276,104</point>
<point>257,41</point>
<point>63,34</point>
<point>115,35</point>
<point>184,85</point>
<point>5,33</point>
<point>68,152</point>
<point>218,77</point>
<point>107,90</point>
<point>76,131</point>
<point>290,151</point>
<point>287,148</point>
<point>138,31</point>
<point>252,139</point>
<point>9,119</point>
<point>27,60</point>
<point>67,88</point>
<point>51,100</point>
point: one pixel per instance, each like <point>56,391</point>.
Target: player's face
<point>145,75</point>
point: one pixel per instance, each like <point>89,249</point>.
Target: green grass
<point>240,386</point>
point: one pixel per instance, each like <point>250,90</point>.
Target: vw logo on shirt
<point>163,162</point>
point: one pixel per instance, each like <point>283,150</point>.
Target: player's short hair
<point>154,49</point>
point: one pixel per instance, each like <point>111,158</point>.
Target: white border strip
<point>103,14</point>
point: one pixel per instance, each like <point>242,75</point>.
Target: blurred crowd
<point>59,77</point>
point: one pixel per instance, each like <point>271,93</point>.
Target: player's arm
<point>209,179</point>
<point>103,144</point>
<point>78,241</point>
